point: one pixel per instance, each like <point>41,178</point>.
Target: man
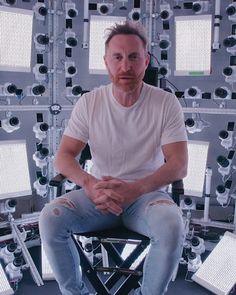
<point>138,144</point>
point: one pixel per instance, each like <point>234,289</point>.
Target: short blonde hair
<point>127,28</point>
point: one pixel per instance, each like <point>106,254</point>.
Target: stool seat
<point>120,232</point>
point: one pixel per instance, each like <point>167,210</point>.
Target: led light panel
<point>5,288</point>
<point>98,26</point>
<point>47,273</point>
<point>194,181</point>
<point>193,45</point>
<point>14,170</point>
<point>218,271</point>
<point>197,160</point>
<point>15,39</point>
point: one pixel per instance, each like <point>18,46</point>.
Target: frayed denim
<point>153,214</point>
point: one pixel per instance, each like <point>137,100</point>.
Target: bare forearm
<point>175,168</point>
<point>165,175</point>
<point>70,168</point>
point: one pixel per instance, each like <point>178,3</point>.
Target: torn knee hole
<point>56,211</point>
<point>65,202</point>
<point>161,202</point>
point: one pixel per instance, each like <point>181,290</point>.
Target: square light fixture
<point>15,39</point>
<point>5,288</point>
<point>14,170</point>
<point>197,160</point>
<point>193,45</point>
<point>98,26</point>
<point>218,271</point>
<point>194,181</point>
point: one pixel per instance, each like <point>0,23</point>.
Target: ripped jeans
<point>154,215</point>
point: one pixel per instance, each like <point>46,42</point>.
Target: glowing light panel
<point>14,170</point>
<point>15,39</point>
<point>193,45</point>
<point>98,26</point>
<point>218,271</point>
<point>5,288</point>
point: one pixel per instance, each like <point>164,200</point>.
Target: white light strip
<point>218,271</point>
<point>14,170</point>
<point>194,181</point>
<point>98,26</point>
<point>15,39</point>
<point>197,160</point>
<point>47,273</point>
<point>5,288</point>
<point>193,45</point>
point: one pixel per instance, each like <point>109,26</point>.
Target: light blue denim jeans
<point>150,215</point>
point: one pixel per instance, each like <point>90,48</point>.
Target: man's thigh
<point>80,212</point>
<point>151,210</point>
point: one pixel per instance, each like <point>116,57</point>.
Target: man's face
<point>126,61</point>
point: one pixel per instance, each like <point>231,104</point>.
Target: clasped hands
<point>111,194</point>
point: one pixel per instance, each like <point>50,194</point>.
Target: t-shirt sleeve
<point>173,129</point>
<point>78,123</point>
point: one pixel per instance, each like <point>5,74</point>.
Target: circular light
<point>104,9</point>
<point>44,152</point>
<point>42,39</point>
<point>188,201</point>
<point>76,90</point>
<point>43,69</point>
<point>72,13</point>
<point>223,134</point>
<point>220,189</point>
<point>71,70</point>
<point>224,162</point>
<point>163,71</point>
<point>43,180</point>
<point>39,89</point>
<point>221,92</point>
<point>11,88</point>
<point>227,71</point>
<point>14,121</point>
<point>44,127</point>
<point>164,14</point>
<point>11,2</point>
<point>136,16</point>
<point>197,7</point>
<point>43,11</point>
<point>229,42</point>
<point>71,41</point>
<point>164,44</point>
<point>190,122</point>
<point>195,241</point>
<point>230,10</point>
<point>192,91</point>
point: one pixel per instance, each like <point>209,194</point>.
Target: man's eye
<point>133,57</point>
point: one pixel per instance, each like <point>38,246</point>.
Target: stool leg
<point>105,262</point>
<point>96,282</point>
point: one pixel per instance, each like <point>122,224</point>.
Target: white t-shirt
<point>125,142</point>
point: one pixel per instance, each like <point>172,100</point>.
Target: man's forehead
<point>134,45</point>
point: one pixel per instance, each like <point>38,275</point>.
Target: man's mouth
<point>126,77</point>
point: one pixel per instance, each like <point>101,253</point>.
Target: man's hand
<point>105,199</point>
<point>121,192</point>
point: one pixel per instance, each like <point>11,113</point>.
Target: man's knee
<point>167,220</point>
<point>50,218</point>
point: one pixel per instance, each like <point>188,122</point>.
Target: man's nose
<point>126,65</point>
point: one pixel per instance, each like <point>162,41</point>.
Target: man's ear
<point>105,61</point>
<point>147,59</point>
